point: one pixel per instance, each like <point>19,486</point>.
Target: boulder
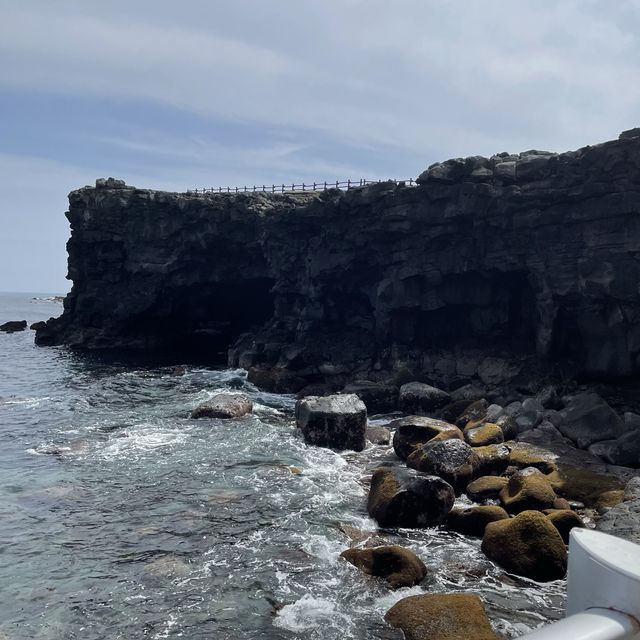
<point>577,483</point>
<point>564,520</point>
<point>407,498</point>
<point>441,616</point>
<point>13,325</point>
<point>453,410</point>
<point>417,397</point>
<point>400,567</point>
<point>471,521</point>
<point>486,433</point>
<point>452,460</point>
<point>624,450</point>
<point>338,421</point>
<point>378,435</point>
<point>609,499</point>
<point>523,454</point>
<point>486,488</point>
<point>474,413</point>
<point>224,405</point>
<point>587,418</point>
<point>508,425</point>
<point>378,398</point>
<point>413,431</point>
<point>623,520</point>
<point>527,545</point>
<point>494,411</point>
<point>275,380</point>
<point>526,490</point>
<point>38,326</point>
<point>493,459</point>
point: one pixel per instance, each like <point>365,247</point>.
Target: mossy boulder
<point>471,521</point>
<point>453,460</point>
<point>401,497</point>
<point>527,489</point>
<point>484,434</point>
<point>528,545</point>
<point>486,488</point>
<point>609,499</point>
<point>441,616</point>
<point>413,431</point>
<point>525,455</point>
<point>493,459</point>
<point>400,567</point>
<point>576,483</point>
<point>564,520</point>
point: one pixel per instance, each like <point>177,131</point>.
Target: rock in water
<point>441,616</point>
<point>378,435</point>
<point>338,421</point>
<point>472,521</point>
<point>13,326</point>
<point>413,431</point>
<point>486,488</point>
<point>453,460</point>
<point>484,434</point>
<point>407,498</point>
<point>527,545</point>
<point>398,566</point>
<point>417,397</point>
<point>224,405</point>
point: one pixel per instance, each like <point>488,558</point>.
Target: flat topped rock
<point>224,405</point>
<point>337,421</point>
<point>13,325</point>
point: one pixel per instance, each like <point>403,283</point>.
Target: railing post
<point>337,185</point>
<point>264,188</point>
<point>325,185</point>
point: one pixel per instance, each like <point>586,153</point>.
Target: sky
<point>179,95</point>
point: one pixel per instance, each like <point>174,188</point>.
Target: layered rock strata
<point>487,264</point>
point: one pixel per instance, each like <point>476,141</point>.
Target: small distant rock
<point>398,566</point>
<point>417,397</point>
<point>37,326</point>
<point>441,616</point>
<point>13,325</point>
<point>337,421</point>
<point>224,405</point>
<point>378,435</point>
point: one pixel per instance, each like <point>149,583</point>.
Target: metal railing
<point>343,185</point>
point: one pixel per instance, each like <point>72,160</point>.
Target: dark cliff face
<point>508,256</point>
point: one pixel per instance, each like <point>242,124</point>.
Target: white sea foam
<point>310,613</point>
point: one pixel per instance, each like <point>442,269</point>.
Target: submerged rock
<point>338,421</point>
<point>441,616</point>
<point>413,431</point>
<point>407,498</point>
<point>527,545</point>
<point>13,325</point>
<point>400,567</point>
<point>224,405</point>
<point>417,397</point>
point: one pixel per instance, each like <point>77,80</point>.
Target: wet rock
<point>526,490</point>
<point>609,499</point>
<point>486,488</point>
<point>13,325</point>
<point>338,421</point>
<point>494,411</point>
<point>453,460</point>
<point>587,418</point>
<point>417,397</point>
<point>474,413</point>
<point>440,616</point>
<point>378,398</point>
<point>562,504</point>
<point>471,521</point>
<point>414,431</point>
<point>275,380</point>
<point>407,498</point>
<point>623,520</point>
<point>584,485</point>
<point>564,520</point>
<point>378,435</point>
<point>508,425</point>
<point>486,433</point>
<point>452,411</point>
<point>36,326</point>
<point>358,536</point>
<point>493,459</point>
<point>523,454</point>
<point>527,545</point>
<point>400,567</point>
<point>624,450</point>
<point>224,405</point>
<point>548,397</point>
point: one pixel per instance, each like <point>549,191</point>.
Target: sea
<point>121,517</point>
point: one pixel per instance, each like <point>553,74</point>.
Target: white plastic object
<point>594,624</point>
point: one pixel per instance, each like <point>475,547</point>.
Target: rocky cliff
<point>487,266</point>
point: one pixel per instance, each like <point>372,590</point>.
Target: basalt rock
<point>413,431</point>
<point>13,325</point>
<point>497,263</point>
<point>417,397</point>
<point>224,405</point>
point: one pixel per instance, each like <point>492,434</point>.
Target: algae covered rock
<point>486,488</point>
<point>525,455</point>
<point>418,397</point>
<point>527,489</point>
<point>453,460</point>
<point>338,421</point>
<point>484,434</point>
<point>224,405</point>
<point>527,545</point>
<point>493,459</point>
<point>400,567</point>
<point>413,431</point>
<point>441,616</point>
<point>401,497</point>
<point>577,483</point>
<point>564,520</point>
<point>471,521</point>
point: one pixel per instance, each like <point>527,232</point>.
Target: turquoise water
<point>122,518</point>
